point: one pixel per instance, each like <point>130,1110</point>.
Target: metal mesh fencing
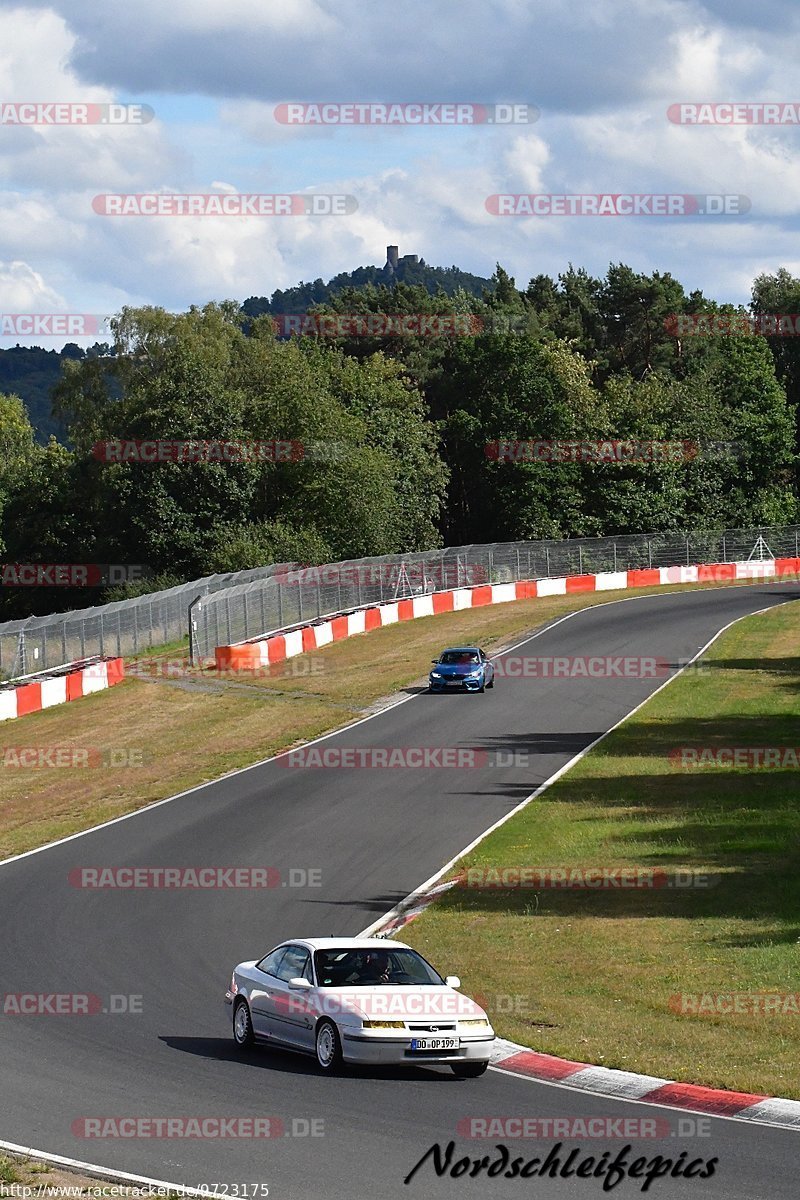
<point>293,595</point>
<point>247,604</point>
<point>122,627</point>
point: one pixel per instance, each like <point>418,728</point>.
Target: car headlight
<point>472,674</point>
<point>384,1024</point>
<point>477,1022</point>
<point>436,675</point>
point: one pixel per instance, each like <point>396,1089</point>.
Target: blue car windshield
<point>452,658</point>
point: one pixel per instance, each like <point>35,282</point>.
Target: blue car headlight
<point>436,675</point>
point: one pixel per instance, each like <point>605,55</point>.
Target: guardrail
<point>295,595</point>
<point>238,606</point>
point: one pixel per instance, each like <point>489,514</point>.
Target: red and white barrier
<point>279,646</point>
<point>58,689</point>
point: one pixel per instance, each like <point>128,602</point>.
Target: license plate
<point>434,1043</point>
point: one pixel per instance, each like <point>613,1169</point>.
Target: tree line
<point>393,437</point>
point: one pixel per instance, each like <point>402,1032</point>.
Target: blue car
<point>464,667</point>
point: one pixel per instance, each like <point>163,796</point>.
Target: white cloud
<point>603,76</point>
<point>23,290</point>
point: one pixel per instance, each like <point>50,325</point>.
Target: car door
<point>290,1018</point>
<point>263,979</point>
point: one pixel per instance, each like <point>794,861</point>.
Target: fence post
<point>193,630</point>
<point>724,550</point>
<point>547,559</point>
<point>228,616</point>
<point>135,629</point>
<point>649,553</point>
<point>246,617</point>
<point>580,559</point>
<point>102,637</point>
<point>615,555</point>
<point>63,641</point>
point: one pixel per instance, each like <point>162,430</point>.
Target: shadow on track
<point>274,1058</point>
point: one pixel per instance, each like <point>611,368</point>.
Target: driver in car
<point>376,967</point>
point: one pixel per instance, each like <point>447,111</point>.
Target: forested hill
<point>31,372</point>
<point>404,432</point>
<point>434,279</point>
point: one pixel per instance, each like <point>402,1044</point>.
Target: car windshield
<point>365,968</point>
<point>459,657</point>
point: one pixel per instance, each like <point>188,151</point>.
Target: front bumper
<point>363,1048</point>
<point>456,681</point>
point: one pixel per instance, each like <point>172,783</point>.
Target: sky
<point>598,77</point>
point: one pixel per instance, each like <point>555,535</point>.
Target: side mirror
<point>452,981</point>
<point>434,662</point>
<point>299,985</point>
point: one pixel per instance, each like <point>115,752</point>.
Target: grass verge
<point>22,1178</point>
<point>595,975</point>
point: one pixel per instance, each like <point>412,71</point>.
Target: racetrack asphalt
<point>374,835</point>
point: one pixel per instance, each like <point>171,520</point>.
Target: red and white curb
<point>649,1089</point>
<point>50,690</point>
<point>418,903</point>
<point>260,652</point>
<point>515,1059</point>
